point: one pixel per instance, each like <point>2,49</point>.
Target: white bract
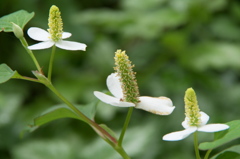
<point>179,135</point>
<point>160,105</point>
<point>44,36</point>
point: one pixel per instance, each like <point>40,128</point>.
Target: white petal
<point>204,118</point>
<point>160,105</point>
<point>66,35</point>
<point>41,45</point>
<point>112,100</point>
<point>185,123</point>
<point>114,85</point>
<point>70,45</point>
<point>179,135</point>
<point>38,34</point>
<point>213,127</point>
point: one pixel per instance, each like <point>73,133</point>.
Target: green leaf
<point>232,152</point>
<point>229,154</point>
<point>63,111</point>
<point>6,73</point>
<point>231,134</point>
<point>21,18</point>
<point>54,113</point>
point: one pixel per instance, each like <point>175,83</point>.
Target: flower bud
<point>17,30</point>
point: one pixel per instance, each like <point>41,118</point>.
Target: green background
<point>174,45</point>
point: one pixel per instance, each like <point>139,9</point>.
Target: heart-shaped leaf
<point>21,18</point>
<point>62,111</point>
<point>6,73</point>
<point>54,113</point>
<point>230,134</point>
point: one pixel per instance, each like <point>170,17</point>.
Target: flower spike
<point>192,110</point>
<point>127,77</point>
<point>55,24</point>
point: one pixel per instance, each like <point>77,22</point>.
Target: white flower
<point>44,36</point>
<point>160,105</point>
<point>179,135</point>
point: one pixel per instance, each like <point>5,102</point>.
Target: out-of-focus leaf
<point>232,134</point>
<point>232,152</point>
<point>48,149</point>
<point>21,18</point>
<point>135,142</point>
<point>141,5</point>
<point>225,28</point>
<point>215,55</point>
<point>133,24</point>
<point>9,104</point>
<point>146,25</point>
<point>6,73</point>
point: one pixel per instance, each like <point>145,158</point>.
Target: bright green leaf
<point>6,73</point>
<point>21,18</point>
<point>232,134</point>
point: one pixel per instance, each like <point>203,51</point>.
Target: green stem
<point>51,63</point>
<point>81,115</point>
<point>130,110</point>
<point>207,154</point>
<point>196,146</point>
<point>111,140</point>
<point>27,79</point>
<point>121,151</point>
<point>25,45</point>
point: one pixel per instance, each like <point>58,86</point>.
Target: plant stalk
<point>25,45</point>
<point>207,154</point>
<point>130,110</point>
<point>196,146</point>
<point>51,63</point>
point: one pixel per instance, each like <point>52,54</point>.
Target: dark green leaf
<point>228,154</point>
<point>21,18</point>
<point>231,134</point>
<point>232,152</point>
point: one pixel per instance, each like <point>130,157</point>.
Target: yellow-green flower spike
<point>55,24</point>
<point>192,110</point>
<point>127,77</point>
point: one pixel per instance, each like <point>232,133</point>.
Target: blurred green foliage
<point>173,44</point>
